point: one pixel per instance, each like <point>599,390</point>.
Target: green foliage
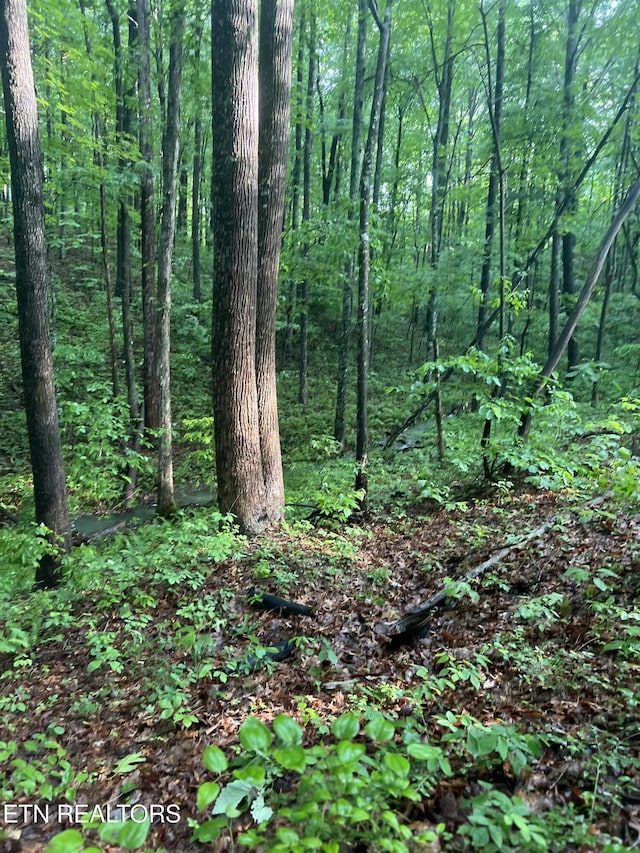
<point>344,789</point>
<point>498,822</point>
<point>97,430</point>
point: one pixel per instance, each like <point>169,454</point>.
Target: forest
<point>320,441</point>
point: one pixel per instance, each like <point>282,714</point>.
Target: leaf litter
<point>553,663</point>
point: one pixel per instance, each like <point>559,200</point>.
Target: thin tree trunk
<point>306,209</point>
<point>624,211</point>
<point>170,156</point>
<point>147,220</point>
<point>494,98</point>
<point>347,284</point>
<point>98,159</point>
<point>362,440</point>
<point>197,180</point>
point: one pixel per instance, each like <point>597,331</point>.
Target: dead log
<point>415,623</point>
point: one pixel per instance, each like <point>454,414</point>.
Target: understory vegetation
<point>150,693</point>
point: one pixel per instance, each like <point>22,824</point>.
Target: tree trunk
<point>494,97</point>
<point>276,22</point>
<point>25,156</point>
<point>567,194</point>
<point>197,179</point>
<point>444,82</point>
<point>147,220</point>
<point>241,488</point>
<point>306,208</point>
<point>170,152</point>
<point>581,303</point>
<point>123,265</point>
<point>98,159</point>
<point>364,256</point>
<point>347,283</point>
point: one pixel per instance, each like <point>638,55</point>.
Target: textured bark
<point>197,179</point>
<point>32,282</point>
<point>275,98</point>
<point>241,487</point>
<point>170,152</point>
<point>147,220</point>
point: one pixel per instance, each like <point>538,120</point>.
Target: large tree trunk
<point>241,488</point>
<point>170,151</point>
<point>276,24</point>
<point>31,282</point>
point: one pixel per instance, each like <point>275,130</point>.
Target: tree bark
<point>306,208</point>
<point>241,488</point>
<point>276,24</point>
<point>197,180</point>
<point>170,156</point>
<point>147,221</point>
<point>25,156</point>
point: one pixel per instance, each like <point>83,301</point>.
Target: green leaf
<point>231,796</point>
<point>254,735</point>
<point>346,727</point>
<point>214,759</point>
<point>134,834</point>
<point>379,728</point>
<point>254,774</point>
<point>287,730</point>
<point>129,763</point>
<point>291,758</point>
<point>207,792</point>
<point>69,841</point>
<point>348,751</point>
<point>210,830</point>
<point>398,764</point>
<point>260,812</point>
<point>423,751</point>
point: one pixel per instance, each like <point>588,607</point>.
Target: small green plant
<point>497,822</point>
<point>346,792</point>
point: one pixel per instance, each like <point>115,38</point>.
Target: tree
<point>32,283</point>
<point>147,219</point>
<point>170,150</point>
<point>364,252</point>
<point>276,24</point>
<point>248,485</point>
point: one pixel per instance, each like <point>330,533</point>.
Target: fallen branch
<point>415,623</point>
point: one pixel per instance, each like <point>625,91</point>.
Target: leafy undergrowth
<point>144,688</point>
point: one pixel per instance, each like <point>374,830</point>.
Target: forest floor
<point>544,643</point>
